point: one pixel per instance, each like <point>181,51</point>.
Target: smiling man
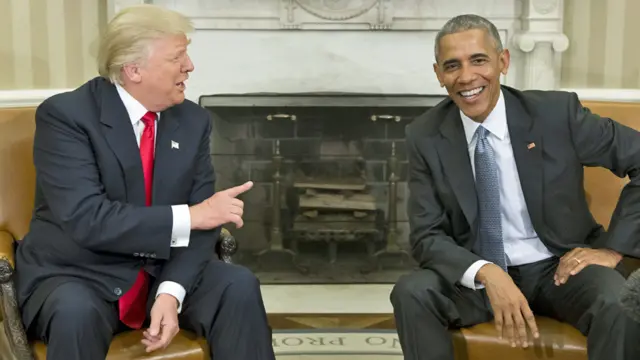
<point>499,220</point>
<point>126,215</point>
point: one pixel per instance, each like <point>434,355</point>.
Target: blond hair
<point>129,34</point>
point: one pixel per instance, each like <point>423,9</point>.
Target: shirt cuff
<point>469,276</point>
<point>181,226</point>
<point>174,289</point>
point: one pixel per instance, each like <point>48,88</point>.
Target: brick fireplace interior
<point>330,173</point>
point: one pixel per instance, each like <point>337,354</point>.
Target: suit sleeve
<point>186,263</point>
<point>69,179</point>
<point>600,141</point>
<point>432,247</point>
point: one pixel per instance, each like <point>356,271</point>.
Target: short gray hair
<point>131,31</point>
<point>468,22</point>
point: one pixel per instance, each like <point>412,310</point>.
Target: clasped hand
<point>577,259</point>
<point>164,323</point>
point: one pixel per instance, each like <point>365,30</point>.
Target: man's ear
<point>131,72</point>
<point>505,60</point>
<point>436,69</point>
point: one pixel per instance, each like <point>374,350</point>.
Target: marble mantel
<point>372,46</point>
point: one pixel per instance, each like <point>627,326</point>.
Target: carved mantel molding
<point>332,14</point>
<point>327,14</point>
<point>543,41</point>
<point>532,29</point>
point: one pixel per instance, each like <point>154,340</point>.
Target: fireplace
<point>330,173</point>
<point>294,87</point>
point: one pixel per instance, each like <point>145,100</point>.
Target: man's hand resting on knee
<point>510,308</point>
<point>577,259</point>
<point>164,323</point>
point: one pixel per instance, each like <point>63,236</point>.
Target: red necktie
<point>133,304</point>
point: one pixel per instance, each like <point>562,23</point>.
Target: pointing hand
<point>221,208</point>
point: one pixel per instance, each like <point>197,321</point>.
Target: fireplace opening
<point>330,182</point>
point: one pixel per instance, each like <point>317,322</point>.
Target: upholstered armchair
<point>14,344</point>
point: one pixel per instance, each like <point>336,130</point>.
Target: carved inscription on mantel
<point>336,9</point>
<point>327,13</point>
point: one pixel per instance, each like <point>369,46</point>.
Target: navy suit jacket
<point>90,222</point>
<point>553,137</point>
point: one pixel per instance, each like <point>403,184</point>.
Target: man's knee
<point>604,286</point>
<point>73,307</point>
<point>243,284</point>
<point>420,286</point>
<point>607,302</point>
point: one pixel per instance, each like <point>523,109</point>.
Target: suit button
<point>117,291</point>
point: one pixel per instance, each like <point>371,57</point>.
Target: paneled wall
<point>49,44</point>
<point>604,50</point>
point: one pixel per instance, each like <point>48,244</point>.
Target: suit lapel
<point>167,152</point>
<point>527,150</point>
<point>453,150</point>
<point>119,133</point>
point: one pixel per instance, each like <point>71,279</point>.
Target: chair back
<point>17,173</point>
<point>602,187</point>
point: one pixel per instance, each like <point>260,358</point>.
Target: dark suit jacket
<point>90,222</point>
<point>442,204</point>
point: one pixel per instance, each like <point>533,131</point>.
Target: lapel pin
<point>531,146</point>
<point>175,145</point>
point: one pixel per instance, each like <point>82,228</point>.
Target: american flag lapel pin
<point>531,146</point>
<point>175,145</point>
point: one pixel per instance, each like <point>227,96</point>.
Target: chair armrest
<point>226,246</point>
<point>13,336</point>
<point>7,249</point>
<point>629,265</point>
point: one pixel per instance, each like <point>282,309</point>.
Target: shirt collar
<point>135,110</point>
<point>495,123</point>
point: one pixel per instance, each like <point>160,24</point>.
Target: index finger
<point>235,191</point>
<point>531,321</point>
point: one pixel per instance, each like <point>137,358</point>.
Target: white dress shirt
<point>521,243</point>
<point>181,229</point>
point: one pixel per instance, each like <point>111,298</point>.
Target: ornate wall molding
<point>533,29</point>
<point>336,9</point>
<point>527,41</point>
<point>545,6</point>
<point>336,14</point>
<point>543,42</point>
<point>331,14</point>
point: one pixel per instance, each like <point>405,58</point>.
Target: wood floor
<point>331,321</point>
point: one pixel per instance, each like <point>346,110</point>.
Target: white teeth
<point>471,92</point>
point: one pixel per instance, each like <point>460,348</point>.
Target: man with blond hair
<point>126,217</point>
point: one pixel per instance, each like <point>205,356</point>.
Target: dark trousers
<point>425,307</point>
<point>226,309</point>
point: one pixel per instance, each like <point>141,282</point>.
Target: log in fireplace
<point>330,172</point>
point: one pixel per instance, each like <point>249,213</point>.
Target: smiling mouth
<point>470,94</point>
